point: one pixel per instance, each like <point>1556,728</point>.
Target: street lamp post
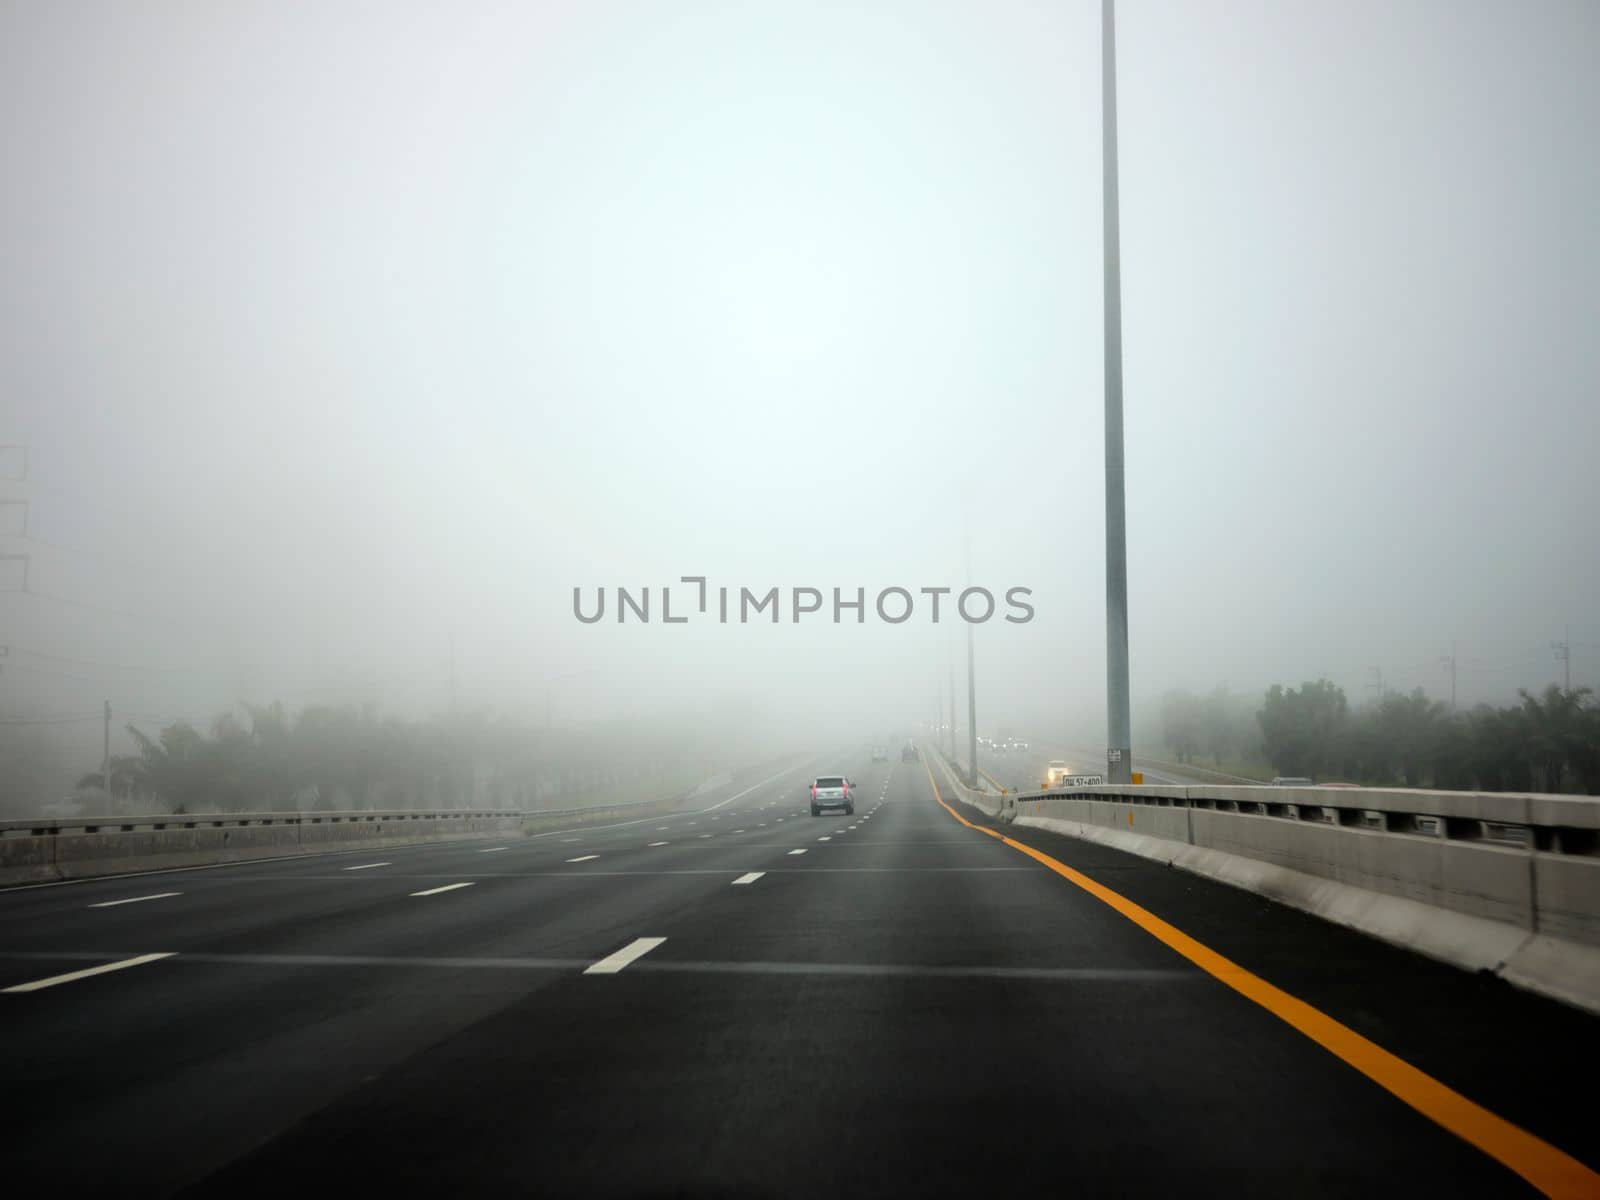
<point>1119,752</point>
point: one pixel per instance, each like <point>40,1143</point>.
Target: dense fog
<point>344,344</point>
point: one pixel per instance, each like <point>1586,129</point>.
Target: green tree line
<point>1548,742</point>
<point>329,758</point>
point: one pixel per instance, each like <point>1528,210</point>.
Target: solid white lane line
<point>368,866</point>
<point>612,963</point>
<point>134,899</point>
<point>494,849</point>
<point>449,887</point>
<point>71,976</point>
<point>658,843</point>
<point>797,852</point>
<point>748,877</point>
<point>753,787</point>
<point>583,858</point>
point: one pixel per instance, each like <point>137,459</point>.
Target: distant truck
<point>908,752</point>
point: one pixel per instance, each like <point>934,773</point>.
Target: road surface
<point>747,1001</point>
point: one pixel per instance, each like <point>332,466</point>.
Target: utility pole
<point>1378,686</point>
<point>1119,736</point>
<point>1450,665</point>
<point>1563,651</point>
<point>111,805</point>
<point>453,692</point>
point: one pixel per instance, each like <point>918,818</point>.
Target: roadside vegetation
<point>1549,742</point>
<point>327,758</point>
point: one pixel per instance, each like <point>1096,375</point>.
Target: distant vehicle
<point>832,791</point>
<point>880,754</point>
<point>1018,744</point>
<point>908,752</point>
<point>1292,781</point>
<point>1057,770</point>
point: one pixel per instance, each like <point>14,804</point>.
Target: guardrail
<point>46,849</point>
<point>57,826</point>
<point>1506,882</point>
<point>60,848</point>
<point>999,803</point>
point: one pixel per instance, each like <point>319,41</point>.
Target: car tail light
<point>813,791</point>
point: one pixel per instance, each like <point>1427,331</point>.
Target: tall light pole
<point>952,711</point>
<point>1119,749</point>
<point>972,685</point>
<point>111,804</point>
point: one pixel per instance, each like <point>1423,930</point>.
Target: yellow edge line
<point>1552,1171</point>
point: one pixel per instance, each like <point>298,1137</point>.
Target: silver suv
<point>832,791</point>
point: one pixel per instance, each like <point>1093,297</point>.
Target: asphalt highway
<point>744,1000</point>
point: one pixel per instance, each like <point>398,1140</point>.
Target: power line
<point>60,719</point>
<point>90,662</point>
<point>163,719</point>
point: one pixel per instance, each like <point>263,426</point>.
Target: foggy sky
<point>343,333</point>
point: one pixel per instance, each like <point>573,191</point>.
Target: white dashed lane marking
<point>584,858</point>
<point>135,899</point>
<point>797,852</point>
<point>449,887</point>
<point>748,877</point>
<point>612,963</point>
<point>72,976</point>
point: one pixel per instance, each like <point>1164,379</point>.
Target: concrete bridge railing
<point>1495,881</point>
<point>1507,883</point>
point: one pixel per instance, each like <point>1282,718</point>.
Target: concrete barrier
<point>45,850</point>
<point>998,803</point>
<point>1503,882</point>
<point>51,849</point>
